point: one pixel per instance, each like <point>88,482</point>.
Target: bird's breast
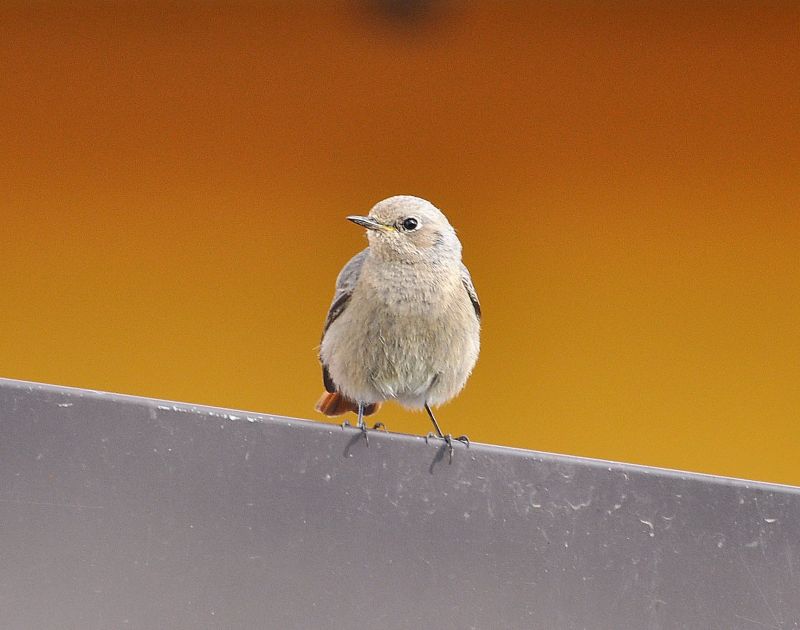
<point>403,331</point>
<point>414,326</point>
<point>411,290</point>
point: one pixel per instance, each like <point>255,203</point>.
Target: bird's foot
<point>363,428</point>
<point>375,427</point>
<point>448,440</point>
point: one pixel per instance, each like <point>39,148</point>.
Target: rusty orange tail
<point>335,404</point>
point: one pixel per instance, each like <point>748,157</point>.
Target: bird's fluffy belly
<point>401,353</point>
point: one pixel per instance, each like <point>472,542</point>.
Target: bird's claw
<point>448,440</point>
<point>362,428</point>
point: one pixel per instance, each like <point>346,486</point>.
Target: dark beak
<point>366,222</point>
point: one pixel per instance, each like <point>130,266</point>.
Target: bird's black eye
<point>410,224</point>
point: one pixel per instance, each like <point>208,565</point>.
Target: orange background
<point>625,179</point>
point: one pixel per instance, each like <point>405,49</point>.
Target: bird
<point>405,319</point>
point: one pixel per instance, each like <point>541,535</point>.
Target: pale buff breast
<point>411,341</point>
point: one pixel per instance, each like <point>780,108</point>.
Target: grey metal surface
<point>122,512</point>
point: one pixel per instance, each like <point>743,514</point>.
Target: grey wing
<point>345,283</point>
<point>473,295</point>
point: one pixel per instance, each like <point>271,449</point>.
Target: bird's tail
<point>336,404</point>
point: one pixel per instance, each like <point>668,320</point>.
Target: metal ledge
<point>124,512</point>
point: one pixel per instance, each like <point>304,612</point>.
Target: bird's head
<point>409,229</point>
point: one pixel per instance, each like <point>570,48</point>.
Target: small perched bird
<point>404,323</point>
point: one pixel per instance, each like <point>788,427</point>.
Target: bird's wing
<point>473,295</point>
<point>345,283</point>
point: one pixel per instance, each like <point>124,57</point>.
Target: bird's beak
<point>368,223</point>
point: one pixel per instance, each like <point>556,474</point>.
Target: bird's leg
<point>448,439</point>
<point>360,424</point>
<point>439,433</point>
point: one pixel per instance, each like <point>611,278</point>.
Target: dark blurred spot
<point>407,13</point>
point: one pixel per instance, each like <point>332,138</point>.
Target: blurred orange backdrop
<point>625,178</point>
